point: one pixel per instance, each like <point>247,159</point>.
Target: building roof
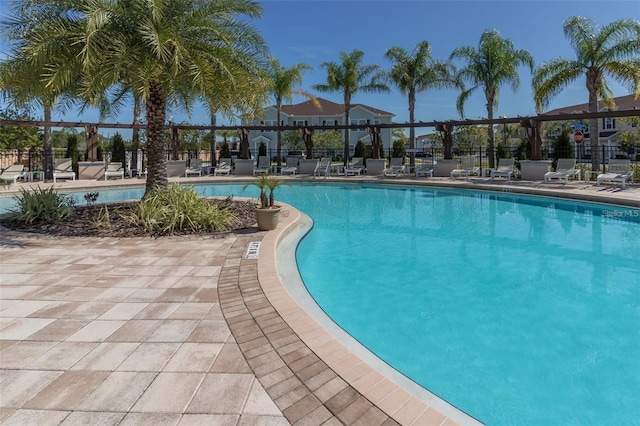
<point>622,103</point>
<point>309,108</point>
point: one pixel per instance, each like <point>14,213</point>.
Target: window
<point>361,122</point>
<point>298,122</point>
<point>609,123</point>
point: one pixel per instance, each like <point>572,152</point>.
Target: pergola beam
<point>469,122</point>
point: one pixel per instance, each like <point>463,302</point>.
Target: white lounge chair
<point>396,168</point>
<point>264,165</point>
<point>195,168</point>
<point>114,170</point>
<point>63,169</point>
<point>355,168</point>
<point>466,168</point>
<point>291,167</point>
<point>426,168</point>
<point>565,169</point>
<point>13,173</point>
<point>505,169</point>
<point>618,171</point>
<point>323,167</point>
<point>223,167</point>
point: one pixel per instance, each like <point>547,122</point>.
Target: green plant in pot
<point>268,214</point>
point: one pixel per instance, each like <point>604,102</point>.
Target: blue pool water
<point>515,309</point>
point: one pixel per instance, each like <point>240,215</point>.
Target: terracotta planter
<point>268,218</point>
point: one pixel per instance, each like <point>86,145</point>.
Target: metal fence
<point>33,159</point>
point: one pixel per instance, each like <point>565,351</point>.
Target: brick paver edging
<point>299,382</point>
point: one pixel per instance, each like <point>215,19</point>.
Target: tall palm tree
<point>614,50</point>
<point>224,100</point>
<point>25,75</point>
<point>21,86</point>
<point>418,72</point>
<point>167,51</point>
<point>351,76</point>
<point>282,80</point>
<point>493,63</point>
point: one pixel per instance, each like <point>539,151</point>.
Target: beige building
<point>325,113</point>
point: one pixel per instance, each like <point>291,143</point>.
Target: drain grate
<point>252,250</point>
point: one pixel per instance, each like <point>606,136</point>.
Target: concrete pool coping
<point>356,385</point>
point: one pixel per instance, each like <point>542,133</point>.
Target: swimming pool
<point>515,309</point>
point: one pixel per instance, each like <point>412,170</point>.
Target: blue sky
<point>316,31</point>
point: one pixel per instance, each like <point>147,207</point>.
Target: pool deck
<point>188,330</point>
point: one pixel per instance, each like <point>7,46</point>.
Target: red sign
<point>578,137</point>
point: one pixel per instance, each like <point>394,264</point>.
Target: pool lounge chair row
<point>263,166</point>
<point>618,170</point>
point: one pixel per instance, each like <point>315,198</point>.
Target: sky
<point>316,31</point>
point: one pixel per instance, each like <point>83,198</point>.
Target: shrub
<point>225,152</point>
<point>398,148</point>
<point>502,151</point>
<point>562,145</point>
<point>72,151</point>
<point>177,208</point>
<point>118,149</point>
<point>523,149</point>
<point>359,150</point>
<point>44,205</point>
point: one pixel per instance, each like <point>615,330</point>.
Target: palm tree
<point>281,81</point>
<point>493,63</point>
<point>224,101</point>
<point>418,72</point>
<point>351,76</point>
<point>613,51</point>
<point>167,52</point>
<point>24,74</point>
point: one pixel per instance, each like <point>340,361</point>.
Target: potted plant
<point>268,214</point>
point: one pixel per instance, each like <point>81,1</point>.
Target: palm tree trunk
<point>213,123</point>
<point>412,130</point>
<point>347,110</point>
<point>157,166</point>
<point>48,146</point>
<point>279,133</point>
<point>491,148</point>
<point>594,132</point>
<point>135,135</point>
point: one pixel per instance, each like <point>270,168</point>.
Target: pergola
<point>530,123</point>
